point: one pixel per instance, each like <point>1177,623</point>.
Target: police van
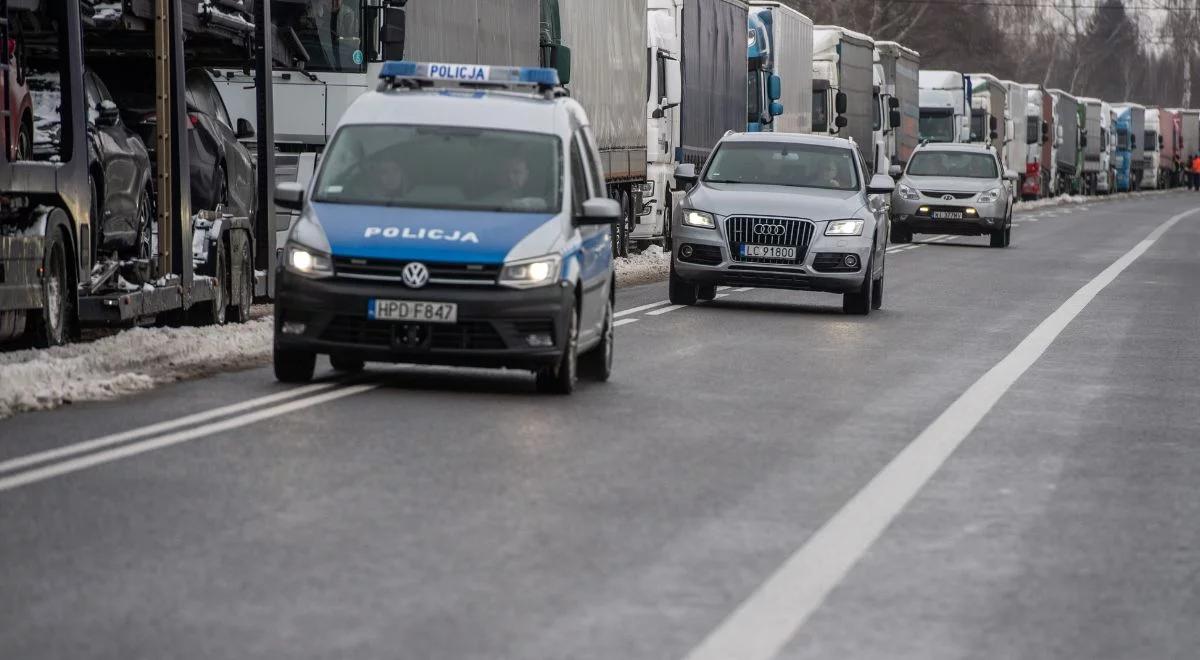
<point>458,217</point>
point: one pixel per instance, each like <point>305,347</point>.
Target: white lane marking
<point>664,310</point>
<point>622,322</point>
<point>743,289</point>
<point>160,442</point>
<point>643,308</point>
<point>1033,219</point>
<point>760,627</point>
<point>153,429</point>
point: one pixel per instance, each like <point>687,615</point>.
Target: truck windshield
<point>443,168</point>
<point>820,111</point>
<point>331,31</point>
<point>953,163</point>
<point>937,125</point>
<point>784,164</point>
<point>1033,133</point>
<point>754,97</point>
<point>1151,140</point>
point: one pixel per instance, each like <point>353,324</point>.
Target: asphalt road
<point>1003,463</point>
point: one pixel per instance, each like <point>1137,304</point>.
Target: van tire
<point>597,363</point>
<point>562,377</point>
<point>294,366</point>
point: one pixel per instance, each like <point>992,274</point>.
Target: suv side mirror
<point>599,211</point>
<point>107,114</point>
<point>881,185</point>
<point>289,195</point>
<point>685,174</point>
<point>245,130</point>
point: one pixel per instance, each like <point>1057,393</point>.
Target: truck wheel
<point>596,364</point>
<point>858,303</point>
<point>294,366</point>
<point>50,325</point>
<point>212,312</point>
<point>239,308</point>
<point>679,291</point>
<point>346,363</point>
<point>561,378</point>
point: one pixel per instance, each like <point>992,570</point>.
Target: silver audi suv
<point>953,189</point>
<point>781,211</point>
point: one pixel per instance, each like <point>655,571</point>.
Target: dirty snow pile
<point>651,265</point>
<point>132,361</point>
<point>1080,199</point>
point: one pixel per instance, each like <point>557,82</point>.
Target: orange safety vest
<point>1196,165</point>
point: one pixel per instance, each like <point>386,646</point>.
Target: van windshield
<point>784,164</point>
<point>954,164</point>
<point>937,126</point>
<point>442,167</point>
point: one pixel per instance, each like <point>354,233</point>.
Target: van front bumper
<point>497,326</point>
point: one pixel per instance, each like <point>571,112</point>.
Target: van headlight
<point>908,193</point>
<point>989,197</point>
<point>844,228</point>
<point>308,249</point>
<point>699,219</point>
<point>530,273</point>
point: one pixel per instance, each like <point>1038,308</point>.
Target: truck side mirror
<point>1160,142</point>
<point>993,125</point>
<point>673,85</point>
<point>893,103</point>
<point>841,122</point>
<point>776,108</point>
<point>839,103</point>
<point>392,25</point>
<point>774,87</point>
<point>894,118</point>
<point>994,135</point>
<point>560,59</point>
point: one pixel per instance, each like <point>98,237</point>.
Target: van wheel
<point>561,378</point>
<point>294,366</point>
<point>679,291</point>
<point>597,363</point>
<point>50,324</point>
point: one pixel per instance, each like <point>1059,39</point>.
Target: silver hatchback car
<point>781,211</point>
<point>953,189</point>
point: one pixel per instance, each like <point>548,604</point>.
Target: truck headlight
<point>989,196</point>
<point>844,228</point>
<point>530,273</point>
<point>907,193</point>
<point>699,219</point>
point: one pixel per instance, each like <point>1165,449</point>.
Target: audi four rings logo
<point>768,230</point>
<point>948,198</point>
<point>415,275</point>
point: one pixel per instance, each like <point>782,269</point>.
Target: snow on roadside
<point>1081,199</point>
<point>131,361</point>
<point>652,265</point>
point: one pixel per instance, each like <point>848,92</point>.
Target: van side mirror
<point>774,88</point>
<point>289,195</point>
<point>393,23</point>
<point>839,103</point>
<point>685,174</point>
<point>245,130</point>
<point>599,211</point>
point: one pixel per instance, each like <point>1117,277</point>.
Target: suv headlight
<point>989,196</point>
<point>530,273</point>
<point>699,219</point>
<point>844,228</point>
<point>908,193</point>
<point>308,249</point>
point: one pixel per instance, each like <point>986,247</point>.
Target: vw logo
<point>415,275</point>
<point>768,230</point>
<point>948,198</point>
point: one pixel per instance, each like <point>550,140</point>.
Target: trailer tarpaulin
<point>714,75</point>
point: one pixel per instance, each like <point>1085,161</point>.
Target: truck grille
<point>389,270</point>
<point>786,232</point>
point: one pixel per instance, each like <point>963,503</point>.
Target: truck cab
<point>945,106</point>
<point>1154,146</point>
<point>843,86</point>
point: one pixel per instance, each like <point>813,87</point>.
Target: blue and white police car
<point>458,217</point>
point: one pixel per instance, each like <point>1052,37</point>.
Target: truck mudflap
<point>20,261</point>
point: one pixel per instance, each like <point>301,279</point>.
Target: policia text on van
<point>458,218</point>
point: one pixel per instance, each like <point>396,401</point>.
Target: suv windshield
<point>331,31</point>
<point>784,164</point>
<point>442,167</point>
<point>953,163</point>
<point>937,126</point>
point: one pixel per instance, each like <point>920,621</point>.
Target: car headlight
<point>699,219</point>
<point>308,249</point>
<point>908,193</point>
<point>989,196</point>
<point>844,228</point>
<point>529,273</point>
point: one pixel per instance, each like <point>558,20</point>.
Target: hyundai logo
<point>768,230</point>
<point>948,198</point>
<point>415,275</point>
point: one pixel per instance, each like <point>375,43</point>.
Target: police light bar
<point>468,73</point>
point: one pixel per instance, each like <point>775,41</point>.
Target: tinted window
<point>784,164</point>
<point>954,163</point>
<point>442,167</point>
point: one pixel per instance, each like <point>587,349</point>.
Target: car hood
<point>950,184</point>
<point>726,199</point>
<point>438,235</point>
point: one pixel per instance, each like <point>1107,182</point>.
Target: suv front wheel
<point>680,291</point>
